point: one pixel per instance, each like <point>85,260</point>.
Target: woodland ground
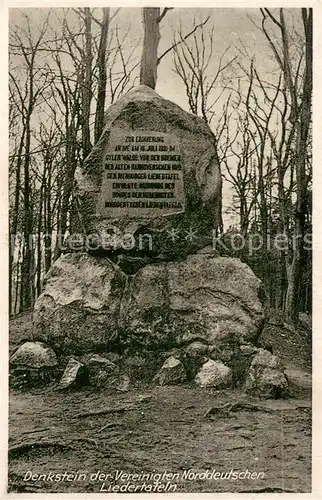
<point>153,429</point>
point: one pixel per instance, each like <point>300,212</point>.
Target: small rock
<point>214,374</point>
<point>248,350</point>
<point>98,360</point>
<point>34,355</point>
<point>145,398</point>
<point>300,378</point>
<point>100,369</point>
<point>193,357</point>
<point>123,383</point>
<point>103,373</point>
<point>196,349</point>
<point>266,376</point>
<point>75,375</point>
<point>171,373</point>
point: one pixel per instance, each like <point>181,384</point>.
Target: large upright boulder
<point>78,309</point>
<point>176,226</point>
<point>203,298</point>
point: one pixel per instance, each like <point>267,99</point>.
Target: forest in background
<point>66,66</point>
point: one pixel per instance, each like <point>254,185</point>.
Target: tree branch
<point>163,13</point>
<point>182,40</point>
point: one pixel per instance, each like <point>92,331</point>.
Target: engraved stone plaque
<point>142,175</point>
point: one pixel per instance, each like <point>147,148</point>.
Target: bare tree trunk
<point>26,269</point>
<point>41,214</point>
<point>14,226</point>
<point>149,61</point>
<point>102,76</point>
<point>299,118</point>
<point>17,304</point>
<point>302,131</point>
<point>87,84</point>
<point>48,221</point>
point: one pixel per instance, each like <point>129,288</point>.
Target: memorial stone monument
<point>150,191</point>
<point>152,184</point>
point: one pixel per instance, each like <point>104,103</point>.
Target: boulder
<point>100,370</point>
<point>74,376</point>
<point>34,355</point>
<point>266,376</point>
<point>203,298</point>
<point>171,373</point>
<point>78,309</point>
<point>168,233</point>
<point>112,357</point>
<point>33,364</point>
<point>214,374</point>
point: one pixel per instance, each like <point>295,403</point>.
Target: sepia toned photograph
<point>160,250</point>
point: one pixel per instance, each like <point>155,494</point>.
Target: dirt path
<point>157,430</point>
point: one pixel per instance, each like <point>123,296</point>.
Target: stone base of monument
<point>194,321</point>
<point>89,304</point>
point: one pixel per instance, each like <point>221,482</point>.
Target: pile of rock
<point>263,373</point>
